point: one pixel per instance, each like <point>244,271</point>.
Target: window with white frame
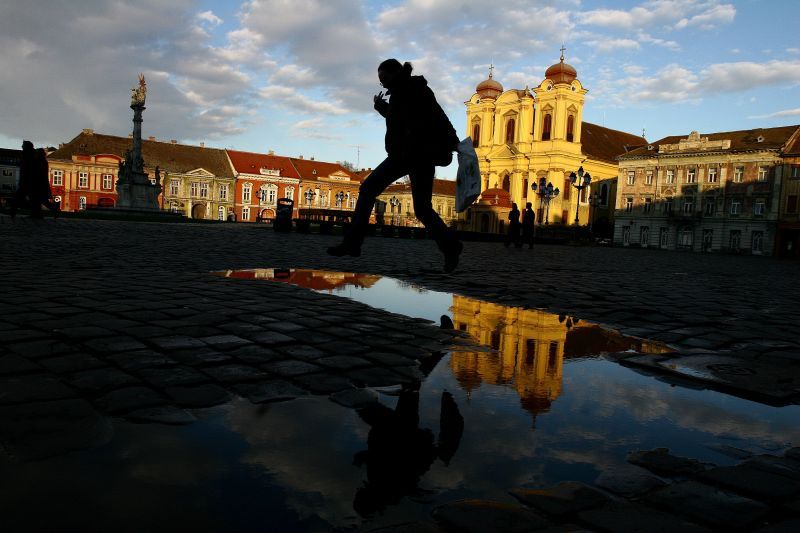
<point>245,213</point>
<point>738,174</point>
<point>736,207</point>
<point>272,194</point>
<point>352,201</point>
<point>688,205</point>
<point>194,189</point>
<point>82,202</point>
<point>648,177</point>
<point>759,208</point>
<point>108,180</point>
<point>58,177</point>
<point>667,205</point>
<point>631,177</point>
<point>223,192</point>
<point>795,172</point>
<point>173,187</point>
<point>735,240</point>
<point>220,213</point>
<point>83,180</point>
<point>670,177</point>
<point>663,237</point>
<point>686,237</point>
<point>628,204</point>
<point>648,204</point>
<point>691,175</point>
<point>711,207</point>
<point>712,175</point>
<point>757,245</point>
<point>762,173</point>
<point>204,190</point>
<point>323,199</point>
<point>289,193</point>
<point>247,191</point>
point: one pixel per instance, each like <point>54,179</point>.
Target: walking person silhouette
<point>419,137</point>
<point>528,224</point>
<point>34,183</point>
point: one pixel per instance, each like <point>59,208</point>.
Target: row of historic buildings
<point>723,192</point>
<point>198,181</point>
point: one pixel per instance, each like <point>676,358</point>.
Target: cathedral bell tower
<point>559,108</point>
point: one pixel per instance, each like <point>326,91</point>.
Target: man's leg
<point>380,178</point>
<point>422,192</point>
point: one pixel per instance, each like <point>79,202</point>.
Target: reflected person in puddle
<point>419,137</point>
<point>399,452</point>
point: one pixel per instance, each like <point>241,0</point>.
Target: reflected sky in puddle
<point>538,409</point>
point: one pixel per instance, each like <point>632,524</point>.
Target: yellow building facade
<point>524,136</point>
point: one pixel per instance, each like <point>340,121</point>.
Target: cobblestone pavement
<point>123,318</point>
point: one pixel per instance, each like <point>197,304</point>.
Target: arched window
<point>604,195</point>
<point>506,183</point>
<point>289,192</point>
<point>476,135</point>
<point>547,126</point>
<point>570,128</point>
<point>525,188</point>
<point>510,130</point>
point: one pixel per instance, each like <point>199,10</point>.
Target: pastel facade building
<point>326,185</point>
<point>10,161</point>
<point>704,192</point>
<point>400,203</point>
<point>262,179</point>
<point>788,244</point>
<point>523,136</point>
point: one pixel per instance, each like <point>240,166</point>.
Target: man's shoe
<point>451,257</point>
<point>340,250</point>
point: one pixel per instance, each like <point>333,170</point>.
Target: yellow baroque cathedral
<point>522,136</point>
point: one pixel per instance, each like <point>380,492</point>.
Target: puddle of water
<point>538,409</point>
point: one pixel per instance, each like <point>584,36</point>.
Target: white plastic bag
<point>468,178</point>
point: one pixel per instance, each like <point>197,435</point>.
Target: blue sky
<point>297,76</point>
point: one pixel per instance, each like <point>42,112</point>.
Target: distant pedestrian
<point>33,190</point>
<point>528,224</point>
<point>513,228</point>
<point>419,137</point>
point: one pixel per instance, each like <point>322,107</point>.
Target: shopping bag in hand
<point>468,179</point>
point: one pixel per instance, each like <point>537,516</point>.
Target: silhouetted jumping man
<point>419,137</point>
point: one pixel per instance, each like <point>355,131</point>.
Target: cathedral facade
<point>533,136</point>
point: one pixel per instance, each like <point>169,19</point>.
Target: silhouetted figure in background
<point>419,137</point>
<point>34,183</point>
<point>399,452</point>
<point>513,227</point>
<point>528,224</point>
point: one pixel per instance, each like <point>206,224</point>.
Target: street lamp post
<point>580,181</point>
<point>545,192</point>
<point>394,202</point>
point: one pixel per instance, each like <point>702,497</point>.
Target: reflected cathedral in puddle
<point>528,346</point>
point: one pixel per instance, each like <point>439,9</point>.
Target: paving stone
<point>376,377</point>
<point>32,388</point>
<point>101,379</point>
<point>269,338</point>
<point>146,331</point>
<point>481,516</point>
<point>177,342</point>
<point>140,359</point>
<point>270,391</point>
<point>84,332</point>
<point>201,356</point>
<point>68,364</point>
<point>290,368</point>
<point>565,498</point>
<point>323,383</point>
<point>408,527</point>
<point>128,399</point>
<point>343,362</point>
<point>344,347</point>
<point>628,481</point>
<point>41,348</point>
<point>783,466</point>
<point>161,415</point>
<point>753,482</point>
<point>14,364</point>
<point>18,335</point>
<point>234,373</point>
<point>786,526</point>
<point>300,351</point>
<point>284,327</point>
<point>114,344</point>
<point>661,461</point>
<point>172,376</point>
<point>35,431</point>
<point>254,354</point>
<point>708,505</point>
<point>388,358</point>
<point>225,342</point>
<point>626,517</point>
<point>198,396</point>
<point>355,398</point>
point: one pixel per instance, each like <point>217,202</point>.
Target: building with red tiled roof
<point>197,180</point>
<point>788,244</point>
<point>262,179</point>
<point>326,185</point>
<point>400,204</point>
<point>710,192</point>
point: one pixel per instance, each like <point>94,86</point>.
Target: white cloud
<point>712,17</point>
<point>210,18</point>
<point>611,45</point>
<point>793,50</point>
<point>661,13</point>
<point>293,99</point>
<point>779,114</point>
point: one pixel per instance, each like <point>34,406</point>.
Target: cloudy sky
<point>297,76</point>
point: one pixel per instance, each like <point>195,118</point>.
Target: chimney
<point>60,146</point>
<point>174,141</point>
<point>299,157</point>
<point>130,136</point>
<point>88,131</point>
<point>151,138</point>
<point>271,152</point>
<point>311,158</point>
<point>202,145</point>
